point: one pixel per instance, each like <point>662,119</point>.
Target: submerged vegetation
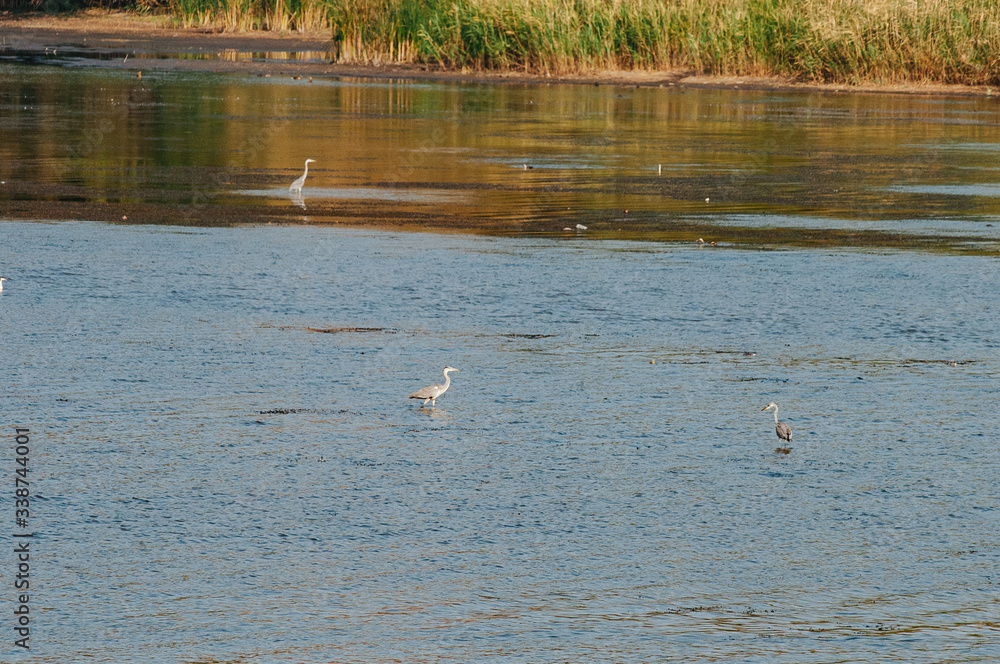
<point>885,41</point>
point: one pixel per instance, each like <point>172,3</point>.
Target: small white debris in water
<point>706,200</point>
<point>659,169</point>
<point>581,227</point>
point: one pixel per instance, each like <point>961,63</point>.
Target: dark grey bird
<point>783,431</point>
<point>432,392</point>
<point>297,185</point>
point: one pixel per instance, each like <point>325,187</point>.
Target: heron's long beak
<point>764,408</point>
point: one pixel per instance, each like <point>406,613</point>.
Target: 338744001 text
<point>22,539</point>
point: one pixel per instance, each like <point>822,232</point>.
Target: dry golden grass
<point>842,41</point>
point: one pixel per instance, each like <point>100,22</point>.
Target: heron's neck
<point>447,380</point>
<point>775,415</point>
<point>307,170</point>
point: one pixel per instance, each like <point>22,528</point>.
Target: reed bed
<point>851,41</point>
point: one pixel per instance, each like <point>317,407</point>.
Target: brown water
<point>225,463</point>
<point>738,167</point>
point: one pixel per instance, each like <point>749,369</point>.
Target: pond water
<point>225,466</point>
<point>735,167</point>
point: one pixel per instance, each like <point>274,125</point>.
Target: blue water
<point>212,481</point>
<point>224,463</point>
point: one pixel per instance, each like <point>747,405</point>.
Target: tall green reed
<point>829,40</point>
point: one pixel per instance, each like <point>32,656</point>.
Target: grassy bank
<point>849,41</point>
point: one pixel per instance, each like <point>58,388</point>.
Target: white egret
<point>3,279</point>
<point>297,185</point>
<point>783,431</point>
<point>432,392</point>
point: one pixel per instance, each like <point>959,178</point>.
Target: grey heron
<point>432,392</point>
<point>783,431</point>
<point>297,185</point>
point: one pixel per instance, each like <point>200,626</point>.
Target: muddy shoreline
<point>102,39</point>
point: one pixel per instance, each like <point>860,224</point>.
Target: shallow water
<point>216,482</point>
<point>737,167</point>
<point>225,466</point>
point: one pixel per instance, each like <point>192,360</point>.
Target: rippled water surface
<point>225,466</point>
<point>740,167</point>
<point>216,480</point>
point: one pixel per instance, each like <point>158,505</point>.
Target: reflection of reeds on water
<point>839,40</point>
<point>233,55</point>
